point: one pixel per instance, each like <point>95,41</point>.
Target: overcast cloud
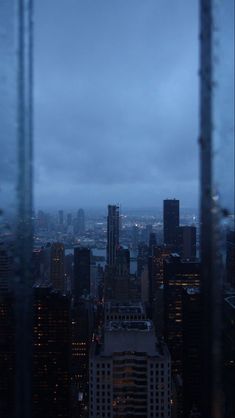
<point>116,102</point>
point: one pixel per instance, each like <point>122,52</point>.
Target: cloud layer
<point>116,102</point>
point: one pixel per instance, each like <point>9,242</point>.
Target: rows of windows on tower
<point>116,316</point>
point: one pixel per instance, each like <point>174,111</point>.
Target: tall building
<point>118,278</point>
<point>112,234</point>
<point>178,274</point>
<point>142,258</point>
<point>37,264</point>
<point>187,242</point>
<point>57,266</point>
<point>171,221</point>
<point>230,258</point>
<point>135,237</point>
<point>130,371</point>
<point>192,351</point>
<point>82,328</point>
<point>51,354</point>
<point>228,345</point>
<point>156,266</point>
<point>7,334</point>
<point>152,242</point>
<point>81,221</point>
<point>156,280</point>
<point>6,268</point>
<point>7,354</point>
<point>61,217</point>
<point>82,272</point>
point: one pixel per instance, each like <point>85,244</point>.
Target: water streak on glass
<point>16,179</point>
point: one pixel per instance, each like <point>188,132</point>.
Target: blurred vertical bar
<point>16,131</point>
<point>217,170</point>
<point>24,230</point>
<point>208,251</point>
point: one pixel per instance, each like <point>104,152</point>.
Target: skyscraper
<point>51,354</point>
<point>230,257</point>
<point>192,350</point>
<point>57,266</point>
<point>130,371</point>
<point>171,221</point>
<point>7,354</point>
<point>82,322</point>
<point>7,333</point>
<point>112,234</point>
<point>61,217</point>
<point>178,274</point>
<point>81,221</point>
<point>82,272</point>
<point>187,242</point>
<point>135,237</point>
<point>6,269</point>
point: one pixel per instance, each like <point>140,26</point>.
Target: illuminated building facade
<point>178,274</point>
<point>130,373</point>
<point>51,354</point>
<point>82,320</point>
<point>192,350</point>
<point>112,234</point>
<point>57,266</point>
<point>7,354</point>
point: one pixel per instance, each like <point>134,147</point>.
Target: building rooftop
<point>125,308</point>
<point>125,337</point>
<point>143,326</point>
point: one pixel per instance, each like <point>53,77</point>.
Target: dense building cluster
<point>119,333</point>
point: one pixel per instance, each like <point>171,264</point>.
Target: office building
<point>51,354</point>
<point>178,274</point>
<point>7,353</point>
<point>130,372</point>
<point>228,351</point>
<point>61,217</point>
<point>171,222</point>
<point>81,222</point>
<point>142,257</point>
<point>152,242</point>
<point>187,242</point>
<point>230,258</point>
<point>82,272</point>
<point>82,329</point>
<point>156,280</point>
<point>57,266</point>
<point>192,350</point>
<point>156,266</point>
<point>135,237</point>
<point>118,278</point>
<point>124,311</point>
<point>112,234</point>
<point>6,268</point>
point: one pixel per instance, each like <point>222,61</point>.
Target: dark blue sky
<point>116,102</point>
